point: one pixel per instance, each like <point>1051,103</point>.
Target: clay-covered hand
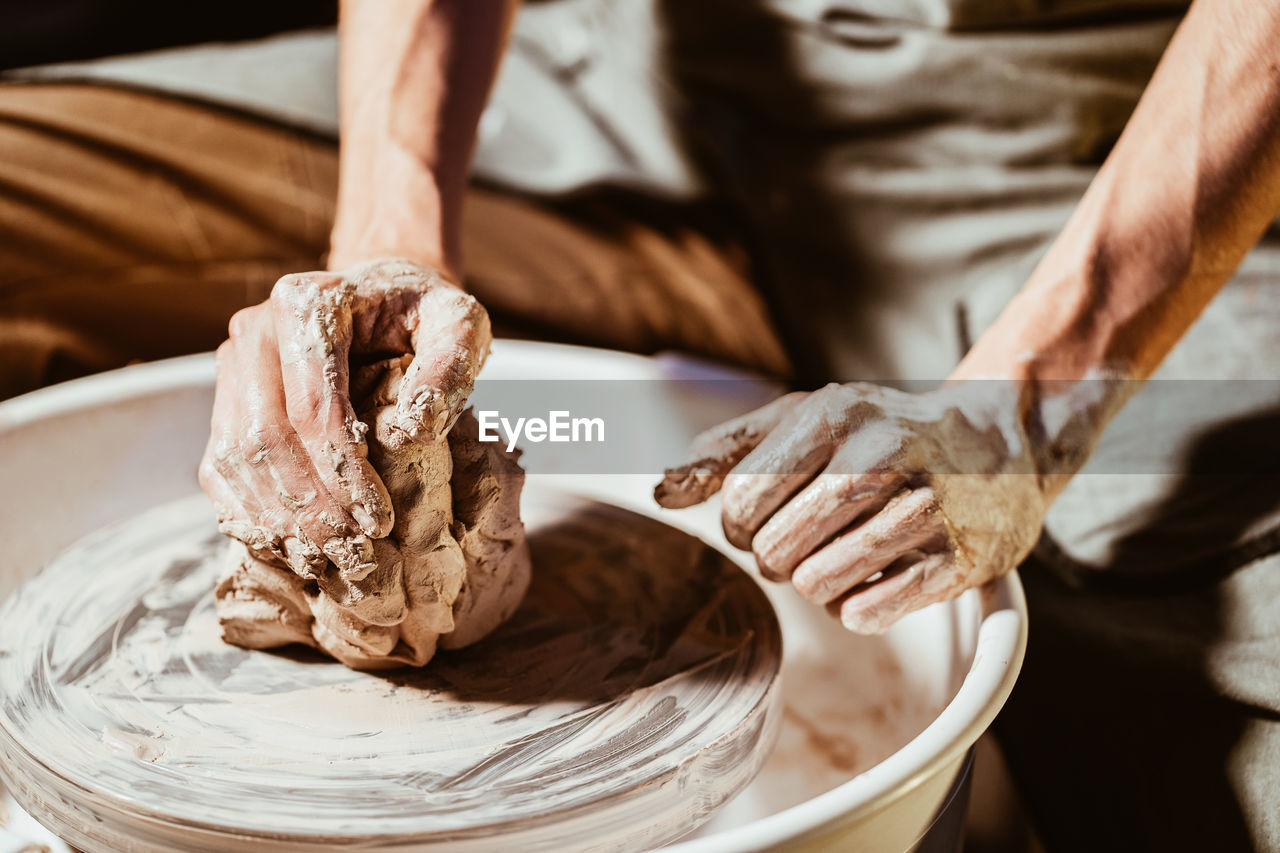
<point>872,501</point>
<point>286,462</point>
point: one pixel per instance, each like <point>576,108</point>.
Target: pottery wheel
<point>631,695</point>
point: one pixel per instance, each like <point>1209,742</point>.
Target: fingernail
<point>364,519</point>
<point>410,426</point>
<point>442,421</point>
<point>259,540</point>
<point>353,555</point>
<point>860,622</point>
<point>241,530</point>
<point>304,558</point>
<point>429,414</point>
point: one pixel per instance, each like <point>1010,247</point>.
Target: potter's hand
<point>873,502</point>
<point>945,490</point>
<point>286,462</point>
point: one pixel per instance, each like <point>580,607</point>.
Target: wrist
<point>1075,342</point>
<point>1053,424</point>
<point>397,240</point>
<point>396,208</point>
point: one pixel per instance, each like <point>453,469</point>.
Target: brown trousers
<point>132,226</point>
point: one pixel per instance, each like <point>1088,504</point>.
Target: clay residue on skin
<point>875,502</point>
<point>453,568</point>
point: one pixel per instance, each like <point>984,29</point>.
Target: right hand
<point>286,465</point>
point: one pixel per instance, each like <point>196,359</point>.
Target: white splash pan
<point>875,730</point>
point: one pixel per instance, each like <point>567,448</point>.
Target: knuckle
<point>475,313</point>
<point>222,450</point>
<point>288,288</point>
<point>273,518</point>
<point>794,398</point>
<point>207,474</point>
<point>927,499</point>
<point>459,358</point>
<point>461,307</point>
<point>834,412</point>
<point>843,486</point>
<point>301,289</point>
<point>333,519</point>
<point>306,408</point>
<point>463,300</point>
<point>242,322</point>
<point>308,519</point>
<point>822,398</point>
<point>258,439</point>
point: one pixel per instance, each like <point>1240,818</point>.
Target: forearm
<point>413,79</point>
<point>1189,188</point>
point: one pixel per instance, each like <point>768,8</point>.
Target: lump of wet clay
<point>453,568</point>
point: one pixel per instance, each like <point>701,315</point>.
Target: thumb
<point>714,453</point>
<point>450,345</point>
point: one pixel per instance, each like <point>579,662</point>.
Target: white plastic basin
<point>875,730</point>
